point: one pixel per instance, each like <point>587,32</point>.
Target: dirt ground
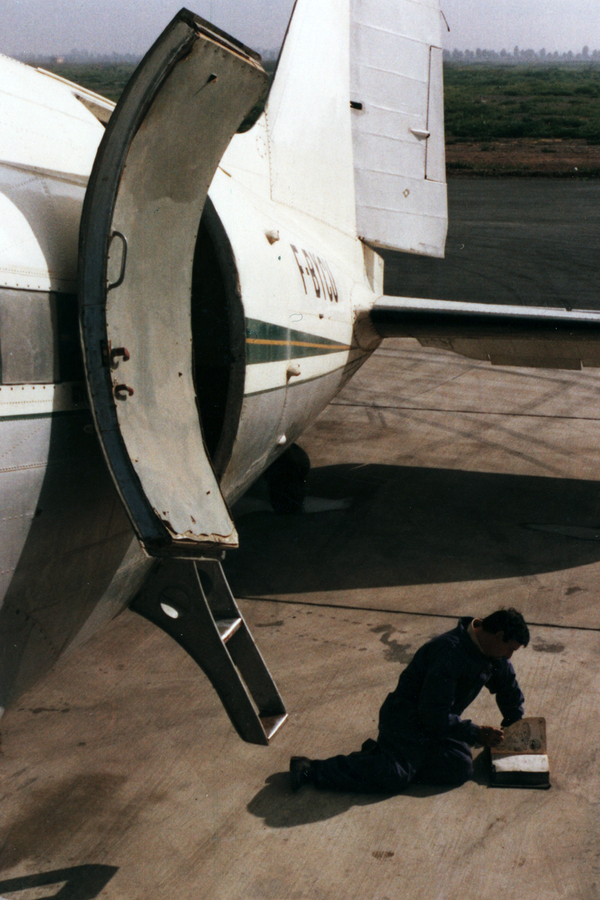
<point>523,156</point>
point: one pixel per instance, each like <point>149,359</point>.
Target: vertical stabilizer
<point>356,121</point>
<point>308,115</point>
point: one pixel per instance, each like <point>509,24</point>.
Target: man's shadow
<point>280,807</point>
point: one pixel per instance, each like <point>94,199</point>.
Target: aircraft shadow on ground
<point>78,882</point>
<point>409,525</point>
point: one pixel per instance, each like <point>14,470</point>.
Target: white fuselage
<point>69,560</point>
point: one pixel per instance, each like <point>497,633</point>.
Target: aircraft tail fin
<point>355,119</point>
<point>308,116</point>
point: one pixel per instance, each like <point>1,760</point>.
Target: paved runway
<point>466,488</point>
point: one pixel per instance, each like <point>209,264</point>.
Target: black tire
<point>286,478</point>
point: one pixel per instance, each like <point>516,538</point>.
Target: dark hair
<point>510,622</point>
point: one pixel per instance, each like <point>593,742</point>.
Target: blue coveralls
<point>421,734</point>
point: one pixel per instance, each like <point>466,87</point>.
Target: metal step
<point>192,602</point>
<point>227,627</point>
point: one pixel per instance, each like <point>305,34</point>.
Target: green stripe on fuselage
<point>266,342</point>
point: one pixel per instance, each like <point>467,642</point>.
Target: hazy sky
<point>130,26</point>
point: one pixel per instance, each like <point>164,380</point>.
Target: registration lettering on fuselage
<point>315,271</point>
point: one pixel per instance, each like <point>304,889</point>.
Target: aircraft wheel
<point>286,478</point>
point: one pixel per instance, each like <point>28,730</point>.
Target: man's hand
<point>490,736</point>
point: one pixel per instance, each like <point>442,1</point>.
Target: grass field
<point>486,103</point>
<point>108,80</point>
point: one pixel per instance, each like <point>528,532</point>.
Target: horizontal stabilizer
<point>529,336</point>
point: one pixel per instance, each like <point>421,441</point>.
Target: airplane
<point>186,281</point>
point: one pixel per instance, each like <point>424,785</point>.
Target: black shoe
<point>300,772</point>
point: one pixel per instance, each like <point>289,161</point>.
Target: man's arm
<point>509,695</point>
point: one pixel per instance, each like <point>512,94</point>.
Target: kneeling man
<point>421,735</point>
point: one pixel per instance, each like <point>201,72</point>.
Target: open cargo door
<point>138,234</point>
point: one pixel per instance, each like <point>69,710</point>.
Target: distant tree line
<point>269,57</point>
<point>521,56</point>
<point>84,57</point>
<point>80,57</point>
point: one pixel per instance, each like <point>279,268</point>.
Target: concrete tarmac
<point>526,241</point>
<point>440,487</point>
